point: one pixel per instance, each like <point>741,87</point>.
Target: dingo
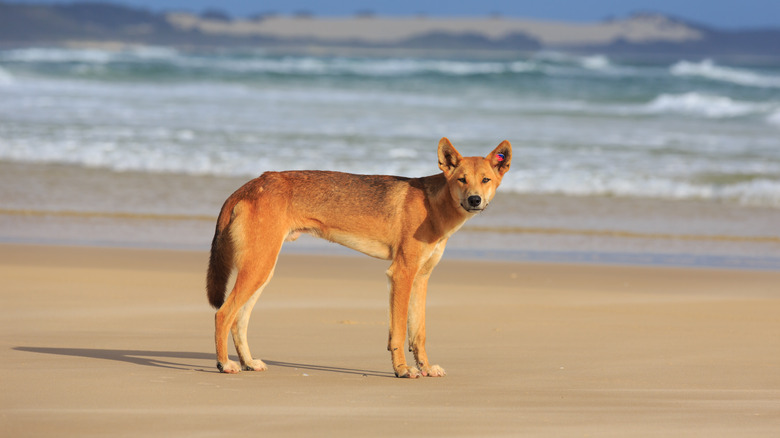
<point>406,220</point>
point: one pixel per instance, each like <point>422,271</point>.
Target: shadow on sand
<point>173,359</point>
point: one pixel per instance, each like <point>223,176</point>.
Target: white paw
<point>407,372</point>
<point>434,371</point>
<point>255,365</point>
<point>228,367</point>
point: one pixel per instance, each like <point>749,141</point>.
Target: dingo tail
<point>221,257</point>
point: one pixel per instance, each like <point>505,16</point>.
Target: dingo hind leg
<point>234,314</point>
<point>255,258</point>
<point>239,330</point>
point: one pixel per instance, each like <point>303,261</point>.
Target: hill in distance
<point>107,23</point>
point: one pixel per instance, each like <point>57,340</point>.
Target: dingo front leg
<point>401,278</point>
<point>417,330</point>
<point>417,317</point>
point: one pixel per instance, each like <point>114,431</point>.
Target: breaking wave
<point>705,105</point>
<point>5,77</point>
<point>102,61</point>
<point>774,118</point>
<point>709,70</point>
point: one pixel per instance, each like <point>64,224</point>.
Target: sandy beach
<point>103,341</point>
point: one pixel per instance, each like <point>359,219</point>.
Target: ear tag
<point>500,157</point>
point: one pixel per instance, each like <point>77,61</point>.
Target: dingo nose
<point>474,201</point>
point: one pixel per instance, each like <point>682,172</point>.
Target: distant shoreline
<point>90,24</point>
<point>390,30</point>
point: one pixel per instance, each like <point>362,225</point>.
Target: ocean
<point>613,159</point>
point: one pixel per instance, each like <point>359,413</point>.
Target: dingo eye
<point>463,180</point>
<point>485,180</point>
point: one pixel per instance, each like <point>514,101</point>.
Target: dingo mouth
<point>473,209</point>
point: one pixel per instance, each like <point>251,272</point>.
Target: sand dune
<point>378,30</point>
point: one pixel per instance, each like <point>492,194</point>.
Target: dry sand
<point>118,342</point>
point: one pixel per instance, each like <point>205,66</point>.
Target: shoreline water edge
<point>180,211</point>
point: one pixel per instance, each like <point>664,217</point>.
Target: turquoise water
<point>581,125</point>
<point>611,156</point>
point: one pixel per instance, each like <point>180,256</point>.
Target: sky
<point>727,14</point>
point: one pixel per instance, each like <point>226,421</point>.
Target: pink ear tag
<point>500,157</point>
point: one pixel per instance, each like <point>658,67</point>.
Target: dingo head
<point>473,180</point>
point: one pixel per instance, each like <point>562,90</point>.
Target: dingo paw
<point>228,367</point>
<point>433,371</point>
<point>255,365</point>
<point>407,372</point>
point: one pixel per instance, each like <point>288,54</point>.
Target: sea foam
<point>704,105</point>
<point>709,70</point>
<point>596,62</point>
<point>6,78</point>
<point>32,55</point>
<point>774,118</point>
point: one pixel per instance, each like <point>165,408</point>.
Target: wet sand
<point>72,205</point>
<point>103,341</point>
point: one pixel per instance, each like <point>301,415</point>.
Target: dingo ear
<point>449,157</point>
<point>501,157</point>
